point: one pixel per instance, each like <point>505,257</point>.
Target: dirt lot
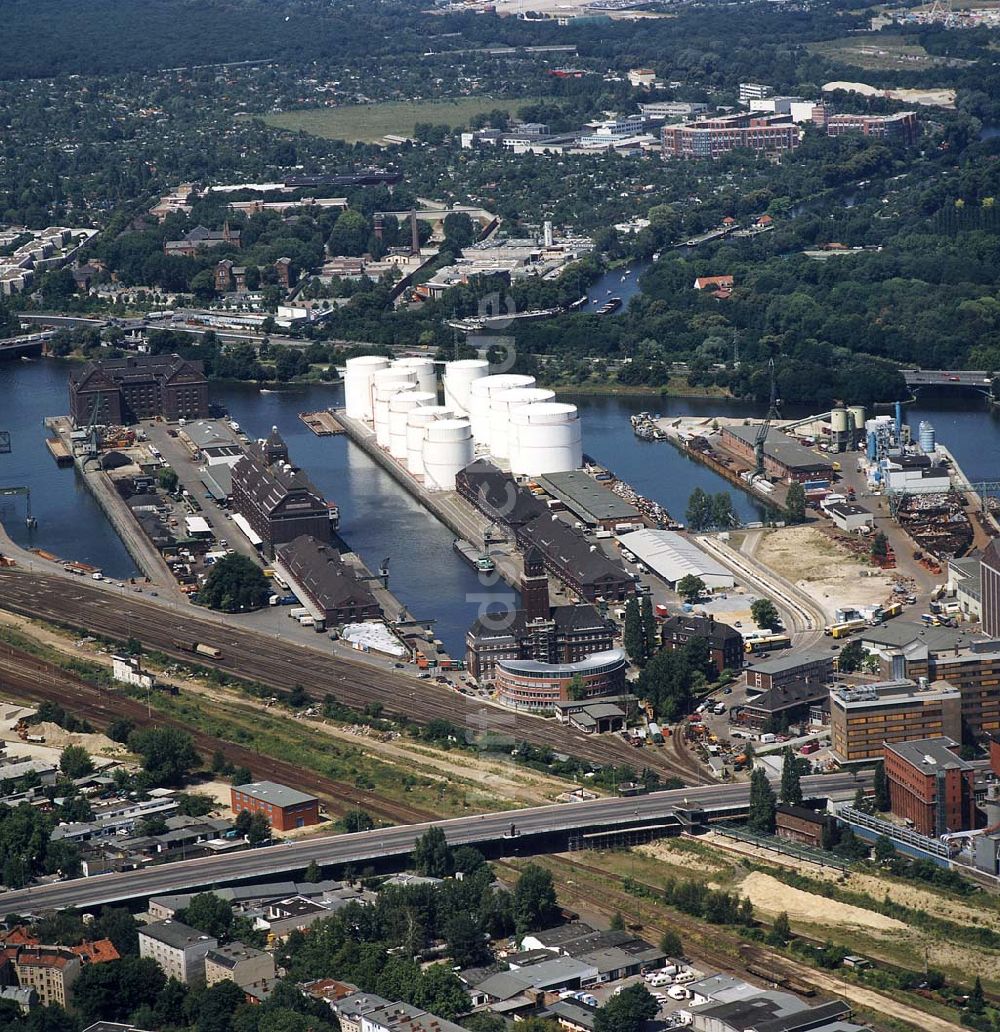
<point>819,567</point>
<point>772,897</point>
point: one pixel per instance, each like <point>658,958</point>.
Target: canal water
<point>378,518</point>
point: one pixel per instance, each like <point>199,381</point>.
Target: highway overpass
<point>541,829</point>
<point>979,381</point>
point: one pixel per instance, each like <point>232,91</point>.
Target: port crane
<point>765,427</point>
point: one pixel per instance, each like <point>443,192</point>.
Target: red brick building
<point>285,808</point>
<point>931,785</point>
<point>800,824</point>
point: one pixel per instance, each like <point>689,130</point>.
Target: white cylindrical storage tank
<point>458,379</point>
<point>399,407</point>
<point>546,439</point>
<point>479,400</point>
<point>417,421</point>
<point>425,372</point>
<point>502,403</point>
<point>358,373</point>
<point>448,448</point>
<point>385,384</point>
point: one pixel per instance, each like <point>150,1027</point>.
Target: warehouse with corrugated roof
<point>672,557</point>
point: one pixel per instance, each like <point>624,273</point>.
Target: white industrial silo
<point>385,384</point>
<point>458,379</point>
<point>358,373</point>
<point>546,439</point>
<point>448,448</point>
<point>479,401</point>
<point>399,406</point>
<point>425,371</point>
<point>417,421</point>
<point>502,403</point>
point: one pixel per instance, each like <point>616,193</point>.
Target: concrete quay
<point>446,506</point>
<point>138,546</point>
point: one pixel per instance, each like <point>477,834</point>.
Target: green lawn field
<point>368,123</point>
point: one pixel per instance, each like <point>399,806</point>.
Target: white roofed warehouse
<point>672,557</point>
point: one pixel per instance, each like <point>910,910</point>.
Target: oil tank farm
<point>400,405</point>
<point>545,438</point>
<point>502,403</point>
<point>459,377</point>
<point>424,370</point>
<point>358,375</point>
<point>448,448</point>
<point>386,384</point>
<point>417,420</point>
<point>480,394</point>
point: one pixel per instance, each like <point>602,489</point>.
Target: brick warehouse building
<point>277,499</point>
<point>116,391</point>
<point>931,785</point>
<point>285,808</point>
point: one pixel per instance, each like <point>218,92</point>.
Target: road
<point>356,849</point>
<point>173,629</point>
<point>978,378</point>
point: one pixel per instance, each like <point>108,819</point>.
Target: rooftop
<point>592,664</point>
<point>275,794</point>
<point>930,755</point>
<point>782,448</point>
<point>587,498</point>
<point>230,955</point>
<point>706,627</point>
<point>880,693</point>
<point>321,572</point>
<point>674,556</point>
<point>176,934</point>
<point>792,661</point>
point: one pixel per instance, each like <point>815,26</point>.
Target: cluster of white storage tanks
<point>505,415</point>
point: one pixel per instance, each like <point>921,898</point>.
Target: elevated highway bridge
<point>978,381</point>
<point>542,829</point>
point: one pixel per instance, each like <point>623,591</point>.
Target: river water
<point>378,518</point>
<point>622,282</point>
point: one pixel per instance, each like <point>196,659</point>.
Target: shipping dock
<point>59,451</point>
<point>323,423</point>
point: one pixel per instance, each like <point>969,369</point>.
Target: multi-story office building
<point>754,91</point>
<point>864,718</point>
<point>931,785</point>
<point>526,684</point>
<point>971,665</point>
<point>116,391</point>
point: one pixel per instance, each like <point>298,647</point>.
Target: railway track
<point>28,677</point>
<point>282,665</point>
<point>604,895</point>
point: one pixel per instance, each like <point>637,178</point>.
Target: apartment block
<point>177,948</point>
